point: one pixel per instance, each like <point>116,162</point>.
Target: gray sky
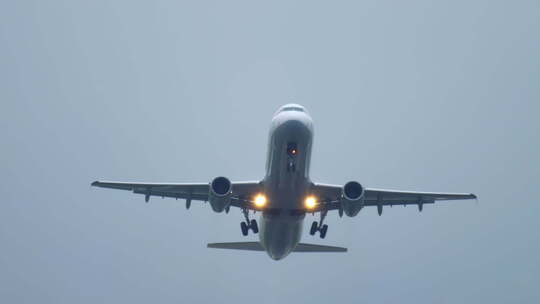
<point>419,95</point>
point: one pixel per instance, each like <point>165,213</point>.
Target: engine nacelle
<point>220,193</point>
<point>352,199</point>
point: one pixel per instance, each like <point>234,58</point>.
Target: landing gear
<point>244,228</point>
<point>314,228</point>
<point>248,224</point>
<point>322,229</point>
<point>291,167</point>
<point>254,226</point>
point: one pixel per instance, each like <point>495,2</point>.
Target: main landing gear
<point>248,224</point>
<point>322,229</point>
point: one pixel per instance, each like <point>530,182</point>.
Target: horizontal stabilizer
<point>256,246</point>
<point>252,246</point>
<point>318,248</point>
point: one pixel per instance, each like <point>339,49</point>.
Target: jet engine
<point>352,199</point>
<point>220,193</point>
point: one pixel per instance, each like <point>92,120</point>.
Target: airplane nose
<point>298,127</point>
<point>292,123</point>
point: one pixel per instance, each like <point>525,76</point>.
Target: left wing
<point>242,192</point>
<point>330,197</point>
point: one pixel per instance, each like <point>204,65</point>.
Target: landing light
<point>260,200</point>
<point>311,202</point>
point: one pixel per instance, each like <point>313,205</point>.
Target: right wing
<point>242,192</point>
<point>331,194</point>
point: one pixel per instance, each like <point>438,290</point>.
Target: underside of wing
<point>331,195</point>
<point>242,192</point>
<point>196,191</point>
<point>395,197</point>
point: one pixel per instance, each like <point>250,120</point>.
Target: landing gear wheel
<point>254,227</point>
<point>314,228</point>
<point>244,228</point>
<point>323,231</point>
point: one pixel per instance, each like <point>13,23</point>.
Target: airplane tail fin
<point>256,246</point>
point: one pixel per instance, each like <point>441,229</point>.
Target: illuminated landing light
<point>260,200</point>
<point>311,202</point>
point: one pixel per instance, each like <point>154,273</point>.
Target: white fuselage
<point>287,181</point>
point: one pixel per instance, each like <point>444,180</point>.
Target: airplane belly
<point>287,178</point>
<point>286,183</point>
<point>279,235</point>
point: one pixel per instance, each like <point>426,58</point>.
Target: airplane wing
<point>330,197</point>
<point>242,192</point>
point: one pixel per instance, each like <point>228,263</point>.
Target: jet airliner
<point>286,193</point>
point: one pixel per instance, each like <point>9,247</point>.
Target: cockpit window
<point>292,107</point>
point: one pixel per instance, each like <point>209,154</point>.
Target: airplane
<point>286,193</point>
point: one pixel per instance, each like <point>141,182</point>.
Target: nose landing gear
<point>322,229</point>
<point>248,224</point>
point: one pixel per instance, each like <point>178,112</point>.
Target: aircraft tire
<point>254,226</point>
<point>313,228</point>
<point>244,228</point>
<point>323,231</point>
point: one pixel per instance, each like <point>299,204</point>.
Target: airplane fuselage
<point>286,183</point>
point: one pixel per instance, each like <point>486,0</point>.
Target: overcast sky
<point>413,95</point>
